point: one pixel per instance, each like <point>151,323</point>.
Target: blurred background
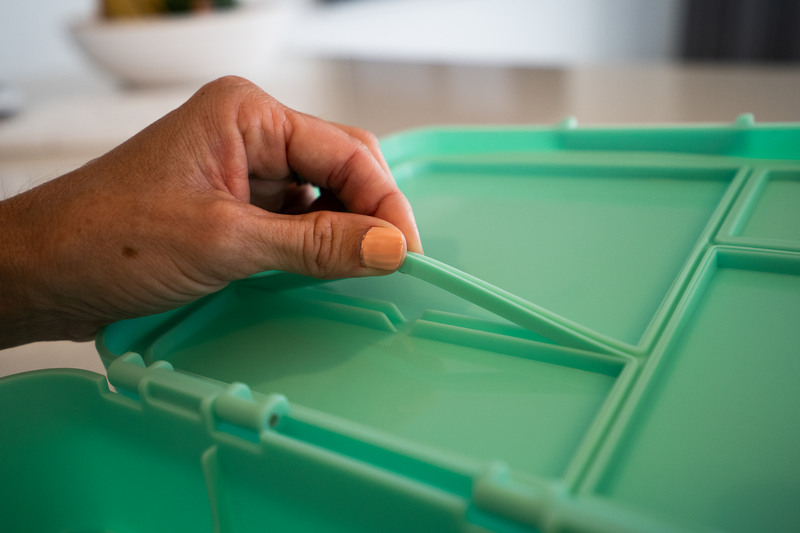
<point>35,40</point>
<point>392,64</point>
<point>78,77</point>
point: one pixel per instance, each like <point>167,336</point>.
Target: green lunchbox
<point>604,336</point>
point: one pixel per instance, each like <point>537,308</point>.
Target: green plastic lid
<point>603,336</point>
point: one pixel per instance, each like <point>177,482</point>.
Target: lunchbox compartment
<point>451,382</point>
<point>709,437</point>
<point>767,213</point>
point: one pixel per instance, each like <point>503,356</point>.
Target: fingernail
<point>383,248</point>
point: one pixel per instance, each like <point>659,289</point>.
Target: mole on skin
<point>127,251</point>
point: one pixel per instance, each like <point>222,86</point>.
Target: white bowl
<point>189,49</point>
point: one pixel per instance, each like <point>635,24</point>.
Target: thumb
<point>326,244</point>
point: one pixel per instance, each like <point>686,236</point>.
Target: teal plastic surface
<point>604,336</point>
<point>710,436</point>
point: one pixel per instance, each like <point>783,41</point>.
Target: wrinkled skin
<point>204,196</point>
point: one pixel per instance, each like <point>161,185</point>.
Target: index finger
<point>279,142</point>
<point>368,139</point>
<point>330,157</point>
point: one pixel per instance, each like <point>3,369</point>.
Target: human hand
<point>194,201</point>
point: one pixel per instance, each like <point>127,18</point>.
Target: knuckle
<point>230,82</point>
<point>356,160</point>
<point>321,247</point>
<point>224,92</point>
<point>370,139</point>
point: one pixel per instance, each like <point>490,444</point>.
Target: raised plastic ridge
<point>743,138</point>
<point>500,302</point>
<point>485,295</point>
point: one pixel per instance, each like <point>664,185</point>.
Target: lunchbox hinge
<point>231,408</point>
<point>126,372</point>
<point>240,413</point>
<point>532,505</point>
